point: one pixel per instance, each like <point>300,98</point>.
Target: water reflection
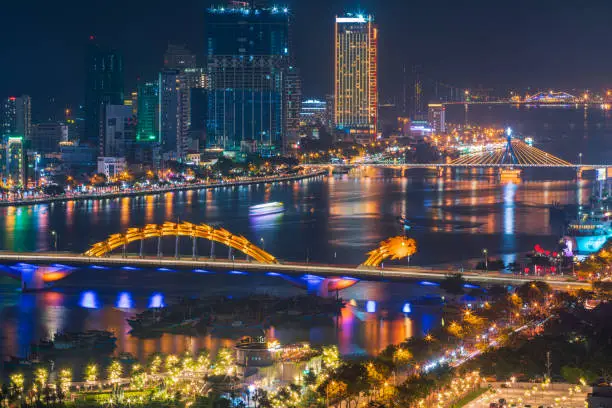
<point>156,301</point>
<point>125,301</point>
<point>89,300</point>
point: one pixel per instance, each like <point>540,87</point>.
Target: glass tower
<point>147,129</point>
<point>104,87</point>
<point>247,65</point>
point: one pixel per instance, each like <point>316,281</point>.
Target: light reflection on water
<point>377,315</point>
<point>327,220</point>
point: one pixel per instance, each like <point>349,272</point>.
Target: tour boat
<point>589,231</point>
<point>266,209</point>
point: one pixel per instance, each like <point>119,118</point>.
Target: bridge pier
<point>319,287</point>
<point>141,248</point>
<point>176,247</point>
<point>510,175</point>
<point>212,249</point>
<point>159,251</point>
<point>32,279</point>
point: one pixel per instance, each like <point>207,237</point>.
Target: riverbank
<point>183,187</point>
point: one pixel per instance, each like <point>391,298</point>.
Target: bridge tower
<point>509,157</point>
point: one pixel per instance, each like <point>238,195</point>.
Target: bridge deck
<point>399,273</point>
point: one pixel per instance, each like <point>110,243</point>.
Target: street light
<point>263,243</point>
<point>54,234</point>
<point>485,253</point>
<point>580,158</point>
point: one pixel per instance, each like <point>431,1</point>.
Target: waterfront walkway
<point>158,190</point>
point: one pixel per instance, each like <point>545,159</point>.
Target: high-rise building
<point>104,87</point>
<point>179,57</point>
<point>169,102</point>
<point>147,142</point>
<point>293,106</point>
<point>15,166</point>
<point>418,97</point>
<point>118,128</point>
<point>436,117</point>
<point>330,105</point>
<point>313,117</point>
<point>248,58</point>
<point>179,76</point>
<point>147,130</point>
<point>356,76</point>
<point>17,117</point>
<point>46,137</point>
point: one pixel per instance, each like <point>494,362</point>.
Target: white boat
<point>266,209</point>
<point>589,231</point>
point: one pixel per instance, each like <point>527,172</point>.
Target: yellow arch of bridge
<point>184,229</point>
<point>395,248</point>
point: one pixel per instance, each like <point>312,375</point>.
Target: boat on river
<point>590,230</point>
<point>98,341</point>
<point>266,209</point>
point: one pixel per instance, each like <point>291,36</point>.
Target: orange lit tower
<point>356,76</point>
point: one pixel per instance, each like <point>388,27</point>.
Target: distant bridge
<point>514,154</point>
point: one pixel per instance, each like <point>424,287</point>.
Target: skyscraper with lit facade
<point>247,63</point>
<point>436,117</point>
<point>356,76</point>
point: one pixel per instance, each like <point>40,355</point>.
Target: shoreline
<point>119,194</point>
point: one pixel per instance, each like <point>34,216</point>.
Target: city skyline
<point>503,43</point>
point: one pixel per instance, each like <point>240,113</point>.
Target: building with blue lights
<point>247,50</point>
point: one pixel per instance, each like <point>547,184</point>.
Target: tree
<point>535,291</point>
<point>455,330</point>
<point>261,398</point>
<point>98,179</point>
<point>574,375</point>
<point>330,358</point>
<point>453,284</point>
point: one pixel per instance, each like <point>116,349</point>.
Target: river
<point>328,219</point>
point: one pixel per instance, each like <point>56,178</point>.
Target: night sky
<point>496,43</point>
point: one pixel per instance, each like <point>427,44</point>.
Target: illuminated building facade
<point>436,117</point>
<point>247,64</point>
<point>104,87</point>
<point>15,166</point>
<point>147,141</point>
<point>356,76</point>
<point>16,117</point>
<point>147,130</point>
<point>176,81</point>
<point>118,131</point>
<point>293,106</point>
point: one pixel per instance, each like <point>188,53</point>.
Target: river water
<point>328,220</point>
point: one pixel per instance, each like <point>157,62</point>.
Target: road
<point>424,275</point>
